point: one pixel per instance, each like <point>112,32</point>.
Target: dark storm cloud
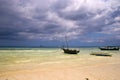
<point>50,19</point>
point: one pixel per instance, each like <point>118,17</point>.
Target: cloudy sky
<point>47,22</point>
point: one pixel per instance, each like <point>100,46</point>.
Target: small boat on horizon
<point>109,48</point>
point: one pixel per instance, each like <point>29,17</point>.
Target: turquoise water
<point>10,57</point>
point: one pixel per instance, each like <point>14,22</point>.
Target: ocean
<point>26,58</point>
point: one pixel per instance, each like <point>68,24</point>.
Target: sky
<point>47,22</point>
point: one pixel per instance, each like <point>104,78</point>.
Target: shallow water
<point>16,58</point>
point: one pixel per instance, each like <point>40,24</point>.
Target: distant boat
<point>109,48</point>
<point>69,51</point>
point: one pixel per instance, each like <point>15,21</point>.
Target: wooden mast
<point>66,42</point>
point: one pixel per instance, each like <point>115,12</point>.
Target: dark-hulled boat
<point>101,54</point>
<point>109,48</point>
<point>70,51</point>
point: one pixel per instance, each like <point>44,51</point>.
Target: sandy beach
<point>67,71</point>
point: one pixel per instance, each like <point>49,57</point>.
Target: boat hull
<point>69,51</point>
<point>101,54</point>
<point>109,48</point>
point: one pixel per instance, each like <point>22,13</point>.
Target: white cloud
<point>112,29</point>
<point>117,18</point>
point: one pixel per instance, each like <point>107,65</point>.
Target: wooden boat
<point>69,51</point>
<point>101,54</point>
<point>109,48</point>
